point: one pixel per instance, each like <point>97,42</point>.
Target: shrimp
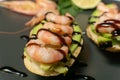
<point>40,16</point>
<point>108,12</point>
<point>104,8</point>
<point>47,4</point>
<point>58,28</point>
<point>68,40</point>
<point>105,28</point>
<point>46,55</point>
<point>66,20</point>
<point>50,38</point>
<point>24,7</point>
<point>64,30</point>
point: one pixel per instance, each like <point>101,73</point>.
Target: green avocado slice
<point>73,47</point>
<point>76,28</point>
<point>95,16</point>
<point>76,37</point>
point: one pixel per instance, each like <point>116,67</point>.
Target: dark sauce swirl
<point>85,77</point>
<point>112,21</point>
<point>27,38</point>
<point>77,76</point>
<point>12,70</point>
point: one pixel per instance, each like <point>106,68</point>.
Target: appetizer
<point>53,46</point>
<point>104,27</point>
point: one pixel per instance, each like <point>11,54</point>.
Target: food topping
<point>108,26</point>
<point>105,23</point>
<point>53,39</point>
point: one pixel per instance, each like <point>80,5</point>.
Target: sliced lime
<point>86,4</point>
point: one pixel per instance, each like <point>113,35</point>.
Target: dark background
<point>100,65</point>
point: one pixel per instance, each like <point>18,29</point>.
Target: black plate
<point>100,65</point>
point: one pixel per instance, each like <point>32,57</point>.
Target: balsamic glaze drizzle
<point>12,70</point>
<point>77,76</point>
<point>85,77</point>
<point>27,38</point>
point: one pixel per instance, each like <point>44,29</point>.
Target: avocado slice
<point>103,39</point>
<point>46,67</point>
<point>104,42</point>
<point>76,37</point>
<point>61,69</point>
<point>73,47</point>
<point>76,28</point>
<point>37,27</point>
<point>94,16</point>
<point>54,67</point>
<point>118,38</point>
<point>106,35</point>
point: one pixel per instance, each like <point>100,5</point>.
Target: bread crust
<point>94,37</point>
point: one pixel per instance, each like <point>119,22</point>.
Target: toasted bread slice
<point>34,66</point>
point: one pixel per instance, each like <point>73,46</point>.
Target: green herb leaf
<point>65,6</point>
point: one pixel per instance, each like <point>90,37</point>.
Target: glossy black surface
<point>95,63</point>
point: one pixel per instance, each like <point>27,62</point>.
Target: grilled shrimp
<point>63,30</point>
<point>105,28</point>
<point>58,28</point>
<point>108,12</point>
<point>45,55</point>
<point>104,8</point>
<point>49,38</point>
<point>66,20</point>
<point>53,39</point>
<point>68,40</point>
<point>40,16</point>
<point>47,4</point>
